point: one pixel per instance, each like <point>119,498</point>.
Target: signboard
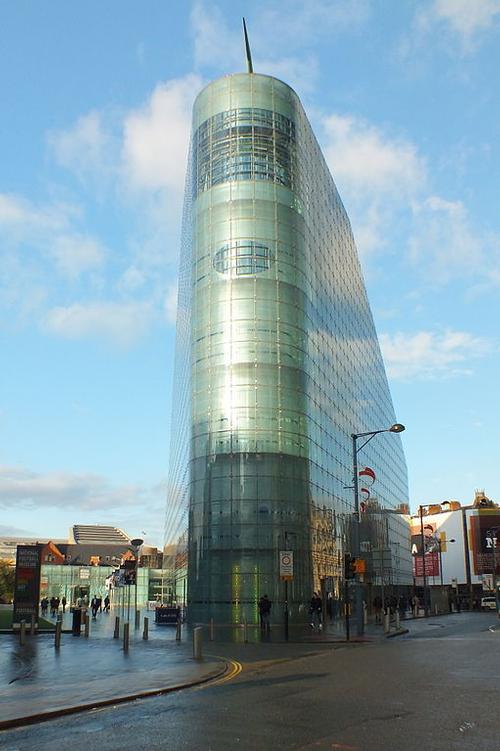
<point>27,583</point>
<point>167,616</point>
<point>129,568</point>
<point>286,565</point>
<point>431,565</point>
<point>484,540</point>
<point>487,580</point>
<point>84,573</point>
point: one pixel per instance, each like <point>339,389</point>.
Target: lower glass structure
<point>277,363</point>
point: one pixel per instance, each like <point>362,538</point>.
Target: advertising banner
<point>432,542</point>
<point>485,542</point>
<point>27,583</point>
<point>431,565</point>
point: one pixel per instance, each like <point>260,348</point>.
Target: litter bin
<point>77,621</point>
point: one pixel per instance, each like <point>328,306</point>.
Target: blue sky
<point>96,105</point>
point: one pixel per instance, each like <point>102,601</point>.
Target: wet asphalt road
<point>436,689</point>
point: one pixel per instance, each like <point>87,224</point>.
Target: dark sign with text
<point>485,542</point>
<point>27,583</point>
<point>431,565</point>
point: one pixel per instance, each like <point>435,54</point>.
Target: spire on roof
<point>247,49</point>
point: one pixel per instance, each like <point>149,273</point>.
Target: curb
<point>397,633</point>
<point>75,709</point>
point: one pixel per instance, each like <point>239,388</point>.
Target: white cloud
<point>215,44</point>
<point>377,175</point>
<point>428,355</point>
<point>74,254</point>
<point>364,160</point>
<point>464,19</point>
<point>24,488</point>
<point>120,323</point>
<point>85,148</point>
<point>306,22</point>
<point>156,137</point>
<point>25,218</point>
<point>443,243</point>
<point>171,303</point>
<point>132,279</point>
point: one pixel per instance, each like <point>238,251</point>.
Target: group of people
<point>54,603</point>
<point>315,611</point>
<point>392,604</point>
<point>97,605</point>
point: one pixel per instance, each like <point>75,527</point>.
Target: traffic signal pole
<point>358,589</point>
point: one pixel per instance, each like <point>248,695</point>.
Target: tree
<point>7,575</point>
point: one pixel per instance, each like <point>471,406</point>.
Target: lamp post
<point>396,428</point>
<point>441,556</point>
<point>136,544</point>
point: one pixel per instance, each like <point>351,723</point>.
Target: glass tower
<point>277,363</point>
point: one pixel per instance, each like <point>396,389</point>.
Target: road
<point>436,688</point>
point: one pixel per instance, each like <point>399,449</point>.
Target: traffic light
<point>349,566</point>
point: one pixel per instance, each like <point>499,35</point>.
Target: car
<point>488,603</point>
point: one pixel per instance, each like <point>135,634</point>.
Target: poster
<point>432,544</point>
<point>484,540</point>
<point>27,583</point>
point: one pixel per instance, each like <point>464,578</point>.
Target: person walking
<point>315,611</point>
<point>265,606</point>
<point>106,604</point>
<point>63,603</point>
<point>94,607</point>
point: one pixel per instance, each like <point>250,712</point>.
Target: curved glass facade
<point>277,361</point>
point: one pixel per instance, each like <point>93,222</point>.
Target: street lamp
<point>396,428</point>
<point>440,541</point>
<point>136,544</point>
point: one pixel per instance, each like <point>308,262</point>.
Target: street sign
<point>27,583</point>
<point>286,565</point>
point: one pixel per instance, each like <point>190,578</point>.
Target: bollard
<point>197,642</point>
<point>398,620</point>
<point>245,632</point>
<point>211,629</point>
<point>86,626</point>
<point>116,632</point>
<point>365,614</point>
<point>436,609</point>
<point>126,627</point>
<point>178,630</point>
<point>387,623</point>
<point>146,629</point>
<point>137,619</point>
<point>22,633</point>
<point>57,638</point>
<point>32,625</point>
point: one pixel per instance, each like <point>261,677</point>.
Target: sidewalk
<point>37,681</point>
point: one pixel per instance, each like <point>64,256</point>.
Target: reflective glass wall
<point>277,362</point>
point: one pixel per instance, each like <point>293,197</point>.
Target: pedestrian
<point>99,604</point>
<point>315,607</point>
<point>57,602</point>
<point>106,604</point>
<point>52,606</point>
<point>63,603</point>
<point>265,606</point>
<point>94,607</point>
<point>377,606</point>
<point>45,604</point>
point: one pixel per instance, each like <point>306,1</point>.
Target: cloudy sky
<point>96,102</point>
